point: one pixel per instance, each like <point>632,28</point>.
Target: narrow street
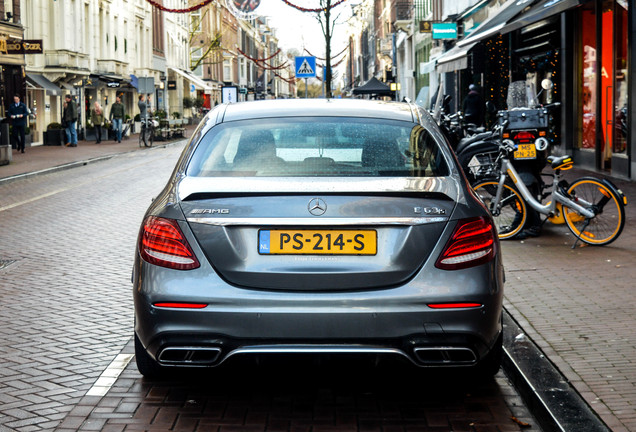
<point>66,315</point>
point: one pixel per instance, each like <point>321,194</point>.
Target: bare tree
<point>327,20</point>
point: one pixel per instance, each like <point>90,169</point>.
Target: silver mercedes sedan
<point>318,227</point>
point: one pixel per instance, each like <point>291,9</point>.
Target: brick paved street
<point>65,302</point>
<point>578,305</point>
<point>341,397</point>
<point>66,313</point>
<point>62,327</point>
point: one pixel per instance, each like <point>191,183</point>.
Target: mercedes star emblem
<point>317,207</point>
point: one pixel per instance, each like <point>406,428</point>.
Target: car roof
<point>318,107</point>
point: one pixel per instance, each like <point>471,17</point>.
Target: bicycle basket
<point>483,165</point>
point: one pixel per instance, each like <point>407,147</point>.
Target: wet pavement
<point>575,307</point>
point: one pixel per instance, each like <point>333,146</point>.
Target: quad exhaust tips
<point>211,356</point>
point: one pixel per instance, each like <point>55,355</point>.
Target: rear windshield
<point>310,147</point>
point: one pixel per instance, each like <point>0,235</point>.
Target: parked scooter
<point>527,128</point>
<point>524,125</point>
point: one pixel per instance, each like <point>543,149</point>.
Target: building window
<point>8,10</point>
<point>227,71</point>
<point>195,21</point>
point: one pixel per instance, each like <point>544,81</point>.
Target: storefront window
<point>607,134</point>
<point>620,80</point>
<point>588,78</point>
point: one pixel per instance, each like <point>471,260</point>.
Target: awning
<point>196,81</point>
<point>495,24</point>
<point>41,82</point>
<point>454,59</point>
<point>540,11</point>
<point>428,67</point>
<point>69,87</point>
<point>373,86</point>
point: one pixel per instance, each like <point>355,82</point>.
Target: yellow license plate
<point>526,151</point>
<point>317,242</point>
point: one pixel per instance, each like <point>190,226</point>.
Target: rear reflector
<point>162,243</point>
<point>454,305</point>
<point>181,305</point>
<point>472,243</point>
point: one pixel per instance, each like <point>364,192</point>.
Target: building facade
<point>12,56</point>
<point>585,47</point>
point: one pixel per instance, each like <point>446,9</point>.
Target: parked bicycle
<point>593,209</point>
<point>147,133</point>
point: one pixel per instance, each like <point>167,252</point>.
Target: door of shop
<point>603,84</point>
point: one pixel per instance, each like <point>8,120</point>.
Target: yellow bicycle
<point>593,209</point>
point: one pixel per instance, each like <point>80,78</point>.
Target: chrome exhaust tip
<point>445,356</point>
<point>193,356</point>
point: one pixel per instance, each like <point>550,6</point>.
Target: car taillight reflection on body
<point>472,243</point>
<point>162,243</point>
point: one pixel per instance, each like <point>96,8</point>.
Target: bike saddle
<point>562,162</point>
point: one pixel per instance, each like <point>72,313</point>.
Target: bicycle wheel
<point>609,219</point>
<point>511,215</point>
<point>150,138</point>
<point>141,136</point>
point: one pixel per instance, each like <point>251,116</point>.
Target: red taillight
<point>472,243</point>
<point>162,243</point>
<point>524,137</point>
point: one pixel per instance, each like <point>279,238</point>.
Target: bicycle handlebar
<point>552,105</point>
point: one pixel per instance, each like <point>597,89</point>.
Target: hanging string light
<point>332,57</point>
<point>333,65</point>
<point>302,9</point>
<point>261,63</point>
<point>186,10</point>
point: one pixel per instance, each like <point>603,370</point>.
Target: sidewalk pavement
<point>37,159</point>
<point>576,305</point>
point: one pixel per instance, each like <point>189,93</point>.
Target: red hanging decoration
<point>261,63</point>
<point>190,9</point>
<point>302,9</point>
<point>332,57</point>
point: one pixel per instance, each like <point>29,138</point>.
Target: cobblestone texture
<point>65,303</point>
<point>61,325</point>
<point>578,305</point>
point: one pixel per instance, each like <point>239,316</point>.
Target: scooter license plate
<point>526,151</point>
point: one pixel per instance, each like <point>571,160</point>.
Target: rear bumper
<point>426,338</point>
<point>393,321</point>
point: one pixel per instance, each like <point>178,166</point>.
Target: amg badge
<point>211,211</point>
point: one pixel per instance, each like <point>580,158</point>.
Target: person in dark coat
<point>18,113</point>
<point>474,107</point>
<point>69,116</point>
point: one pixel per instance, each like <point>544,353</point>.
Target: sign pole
<point>306,89</point>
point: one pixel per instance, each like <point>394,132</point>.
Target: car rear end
<point>328,228</point>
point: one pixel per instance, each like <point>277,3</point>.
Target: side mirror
<point>490,107</point>
<point>547,84</point>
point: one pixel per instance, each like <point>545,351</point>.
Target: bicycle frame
<point>508,170</point>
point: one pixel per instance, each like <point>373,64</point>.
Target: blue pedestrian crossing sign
<point>305,67</point>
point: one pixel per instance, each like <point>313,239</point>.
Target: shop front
<point>602,70</point>
<point>584,47</point>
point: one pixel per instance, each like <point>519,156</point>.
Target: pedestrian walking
<point>474,107</point>
<point>117,114</point>
<point>18,112</point>
<point>97,118</point>
<point>143,108</point>
<point>69,118</point>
